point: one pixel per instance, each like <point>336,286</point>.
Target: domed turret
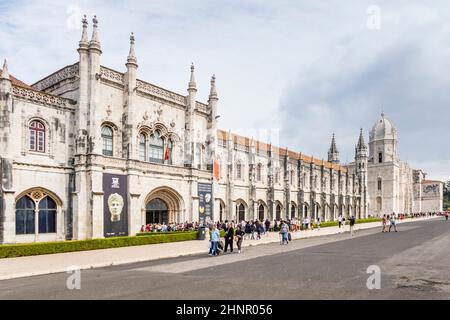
<point>383,141</point>
<point>383,129</point>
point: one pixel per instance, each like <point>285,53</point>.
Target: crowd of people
<point>170,227</point>
<point>237,232</point>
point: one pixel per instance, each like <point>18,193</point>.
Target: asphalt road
<point>414,264</point>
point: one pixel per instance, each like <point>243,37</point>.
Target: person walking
<point>284,231</point>
<point>392,223</point>
<point>215,237</point>
<point>318,223</point>
<point>352,224</point>
<point>384,222</point>
<point>340,221</point>
<point>239,238</point>
<point>248,230</point>
<point>267,223</point>
<point>229,235</point>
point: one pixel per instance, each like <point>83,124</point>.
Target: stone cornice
<point>42,98</point>
<point>56,77</point>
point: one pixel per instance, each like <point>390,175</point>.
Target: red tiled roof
<point>245,141</point>
<point>17,82</point>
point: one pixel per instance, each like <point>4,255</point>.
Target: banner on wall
<point>115,206</point>
<point>205,203</point>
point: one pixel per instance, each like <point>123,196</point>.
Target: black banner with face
<point>205,202</point>
<point>115,206</point>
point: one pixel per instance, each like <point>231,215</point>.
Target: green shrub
<point>32,249</point>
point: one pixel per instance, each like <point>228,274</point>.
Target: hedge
<point>32,249</point>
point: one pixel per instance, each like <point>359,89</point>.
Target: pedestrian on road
<point>239,238</point>
<point>340,221</point>
<point>446,216</point>
<point>318,223</point>
<point>392,220</point>
<point>352,224</point>
<point>215,236</point>
<point>229,235</point>
<point>284,231</point>
<point>384,221</point>
<point>267,223</point>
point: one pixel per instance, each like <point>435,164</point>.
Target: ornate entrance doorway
<point>157,212</point>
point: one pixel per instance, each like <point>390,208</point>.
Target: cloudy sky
<point>303,69</point>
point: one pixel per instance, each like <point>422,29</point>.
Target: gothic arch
<point>42,191</point>
<point>263,210</point>
<point>241,210</point>
<point>171,198</point>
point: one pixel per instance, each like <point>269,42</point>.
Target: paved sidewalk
<point>55,263</point>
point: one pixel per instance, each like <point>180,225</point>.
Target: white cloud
<point>307,67</point>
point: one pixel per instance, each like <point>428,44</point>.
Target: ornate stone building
<point>90,152</point>
<point>393,186</point>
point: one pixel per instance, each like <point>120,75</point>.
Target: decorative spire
<point>361,143</point>
<point>213,93</point>
<point>192,84</point>
<point>84,42</point>
<point>95,42</point>
<point>333,153</point>
<point>5,72</point>
<point>132,55</point>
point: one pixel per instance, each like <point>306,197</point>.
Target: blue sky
<point>305,68</point>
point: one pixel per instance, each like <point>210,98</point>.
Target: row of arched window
<point>152,147</point>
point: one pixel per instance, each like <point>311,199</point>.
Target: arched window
<point>380,157</point>
<point>37,136</point>
<point>156,148</point>
<point>379,204</point>
<point>380,183</point>
<point>107,141</point>
<point>221,212</point>
<point>292,177</point>
<point>47,215</point>
<point>258,171</point>
<point>238,170</point>
<point>142,147</point>
<point>277,175</point>
<point>292,211</point>
<point>240,209</point>
<point>261,212</point>
<point>278,212</point>
<point>26,214</point>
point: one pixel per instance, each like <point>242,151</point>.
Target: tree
<point>446,195</point>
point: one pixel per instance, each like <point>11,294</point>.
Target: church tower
<point>361,161</point>
<point>333,153</point>
<point>383,142</point>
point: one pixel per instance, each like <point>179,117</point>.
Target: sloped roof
<point>261,146</point>
<point>17,82</point>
